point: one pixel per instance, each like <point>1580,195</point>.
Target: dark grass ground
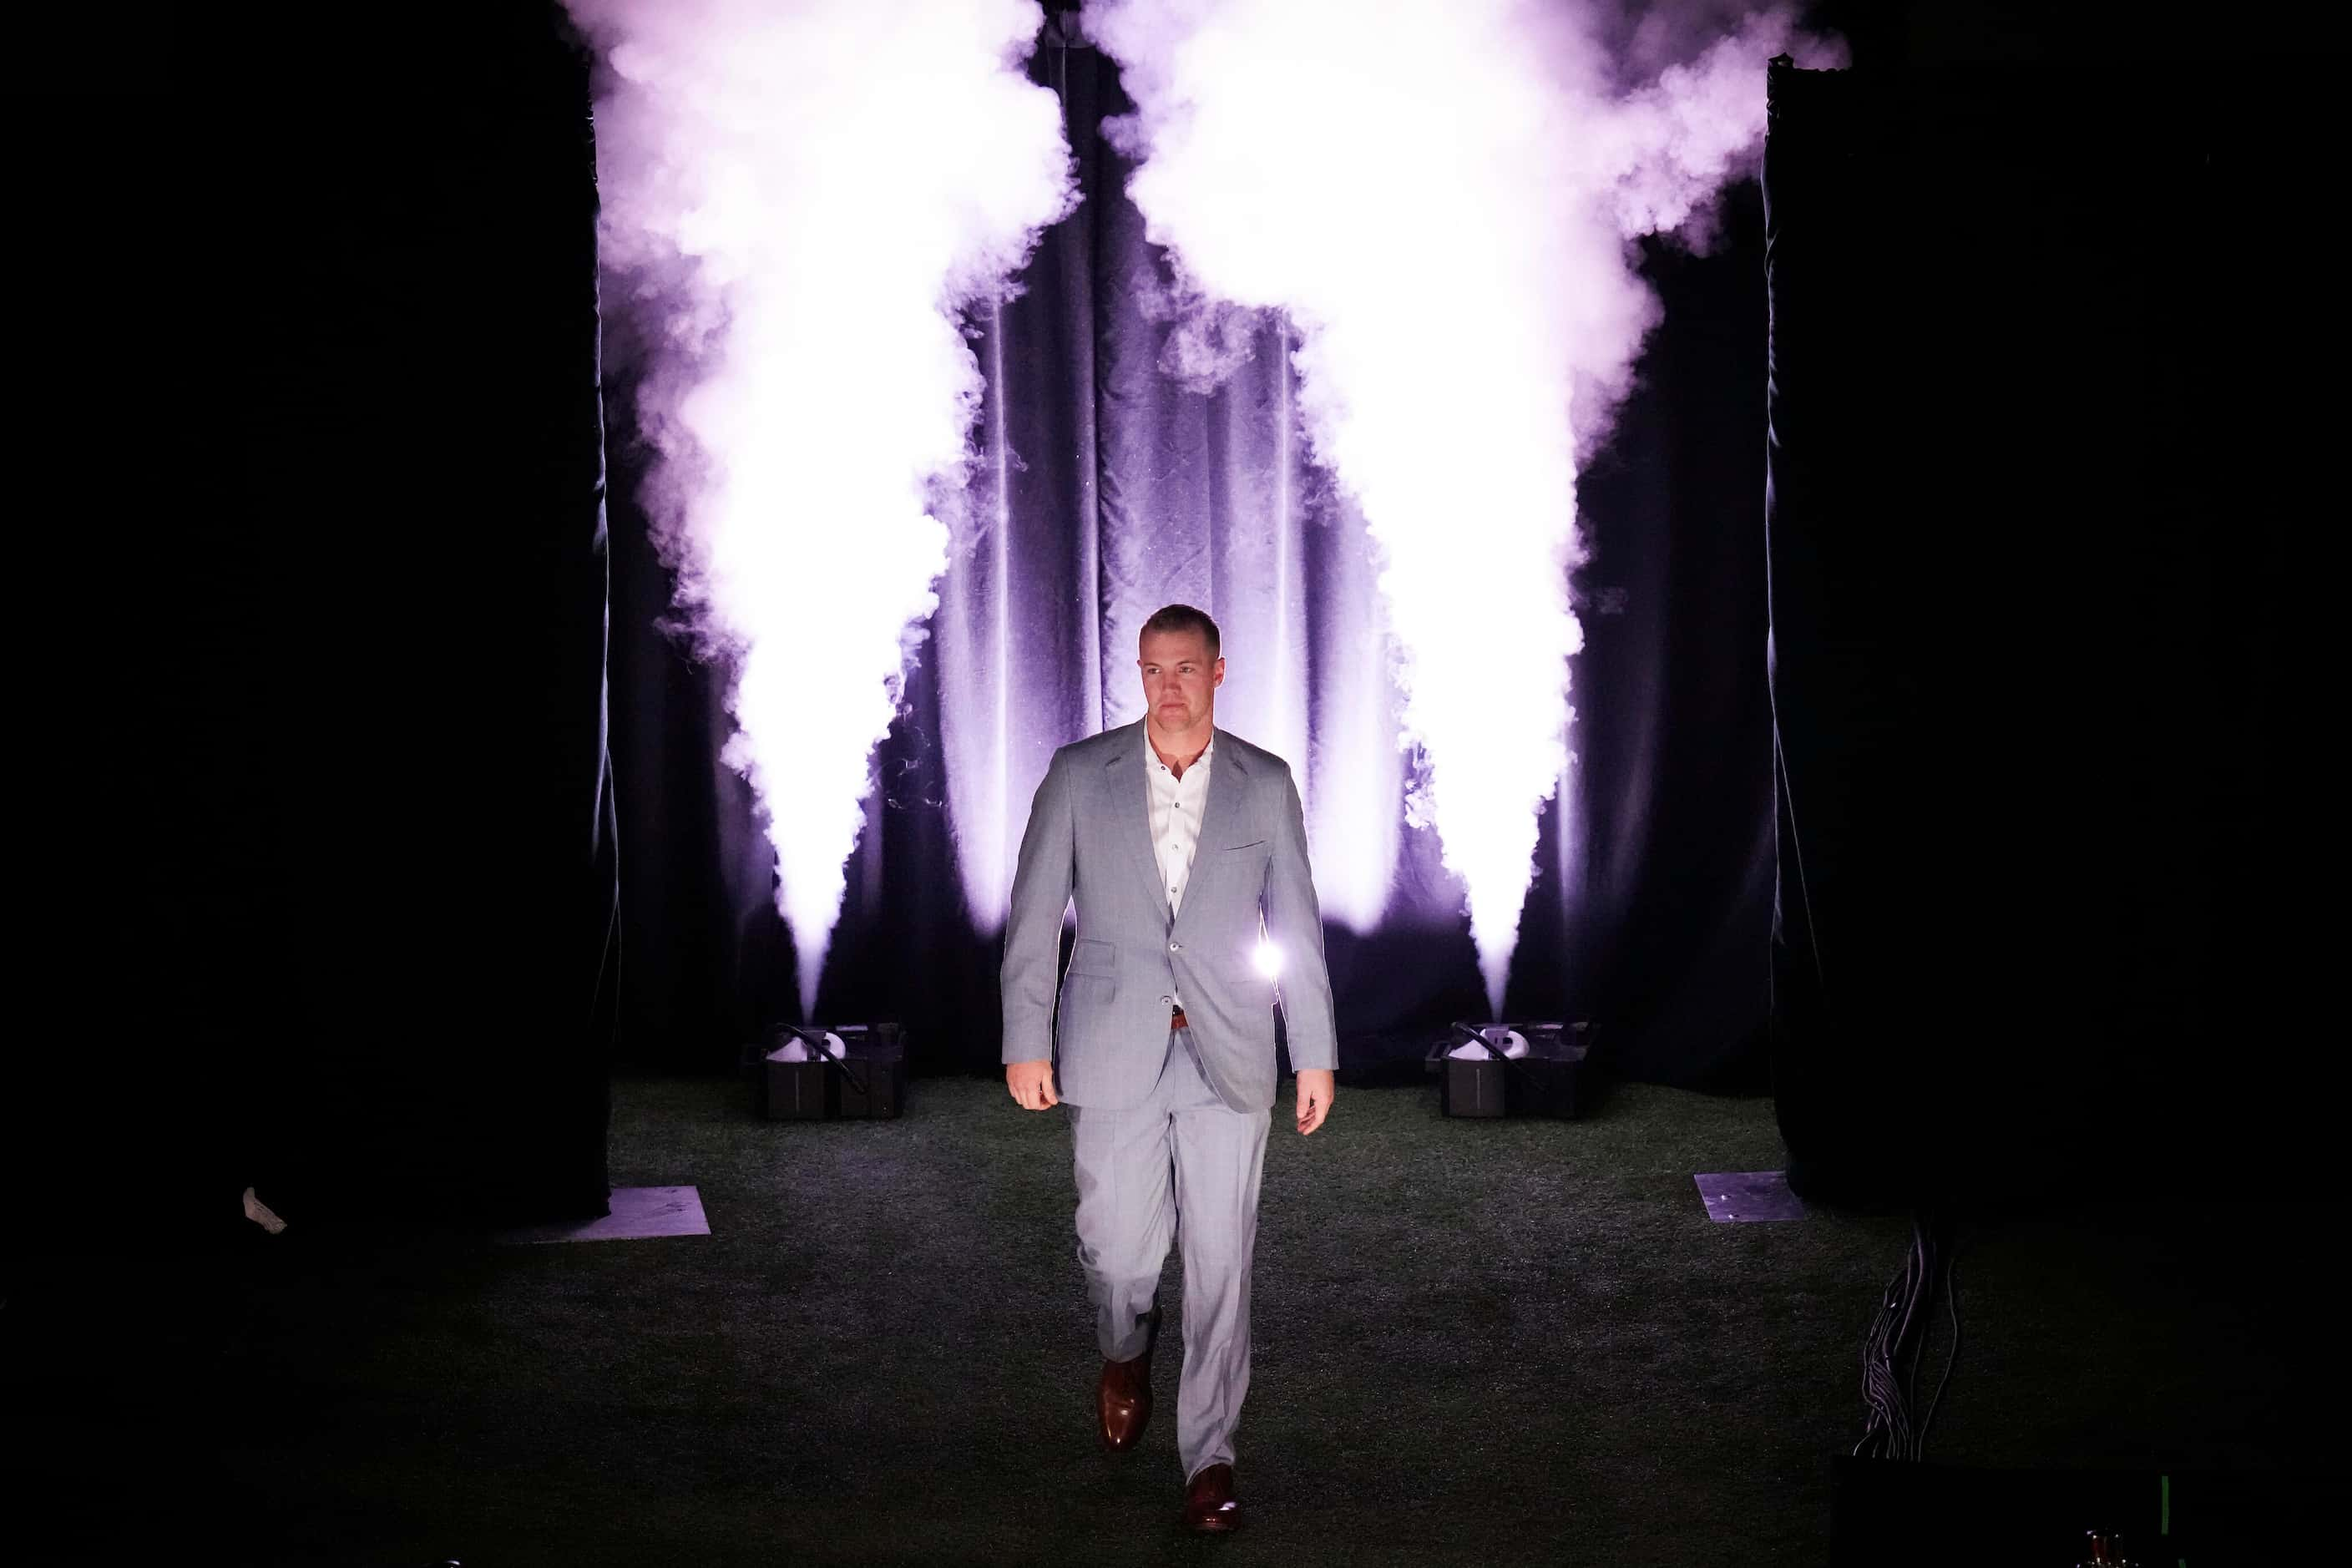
<point>1488,1342</point>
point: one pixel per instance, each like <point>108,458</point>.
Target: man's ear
<point>1218,675</point>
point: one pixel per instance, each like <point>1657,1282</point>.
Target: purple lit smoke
<point>1443,195</point>
<point>804,194</point>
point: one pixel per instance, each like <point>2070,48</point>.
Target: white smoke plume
<point>1442,194</point>
<point>805,194</point>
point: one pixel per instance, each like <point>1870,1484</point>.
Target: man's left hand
<point>1316,1087</point>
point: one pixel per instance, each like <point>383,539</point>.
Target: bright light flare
<point>1268,959</point>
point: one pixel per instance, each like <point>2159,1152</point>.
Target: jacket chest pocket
<point>1246,859</point>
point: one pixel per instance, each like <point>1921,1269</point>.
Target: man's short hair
<point>1183,618</point>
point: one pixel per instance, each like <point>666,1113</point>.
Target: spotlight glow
<point>805,193</point>
<point>1268,959</point>
<point>1442,200</point>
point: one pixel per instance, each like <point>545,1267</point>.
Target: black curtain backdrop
<point>436,693</point>
<point>1122,489</point>
<point>334,797</point>
<point>2045,842</point>
<point>321,834</point>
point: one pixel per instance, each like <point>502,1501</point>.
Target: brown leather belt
<point>1176,1021</point>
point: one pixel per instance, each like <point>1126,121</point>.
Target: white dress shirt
<point>1176,816</point>
<point>1175,806</point>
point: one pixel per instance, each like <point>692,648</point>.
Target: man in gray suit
<point>1187,851</point>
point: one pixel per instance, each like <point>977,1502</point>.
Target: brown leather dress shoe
<point>1210,1506</point>
<point>1123,1400</point>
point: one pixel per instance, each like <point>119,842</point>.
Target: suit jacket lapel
<point>1131,807</point>
<point>1228,777</point>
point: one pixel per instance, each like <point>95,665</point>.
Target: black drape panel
<point>1104,485</point>
<point>2027,605</point>
<point>378,849</point>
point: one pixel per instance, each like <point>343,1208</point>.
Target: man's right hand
<point>1031,1084</point>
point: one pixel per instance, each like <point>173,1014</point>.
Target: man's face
<point>1179,678</point>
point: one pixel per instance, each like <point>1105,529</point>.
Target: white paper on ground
<point>639,1214</point>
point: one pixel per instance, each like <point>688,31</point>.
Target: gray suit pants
<point>1183,1152</point>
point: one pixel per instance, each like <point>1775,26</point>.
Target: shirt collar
<point>1152,755</point>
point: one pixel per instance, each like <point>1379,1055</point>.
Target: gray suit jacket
<point>1090,833</point>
